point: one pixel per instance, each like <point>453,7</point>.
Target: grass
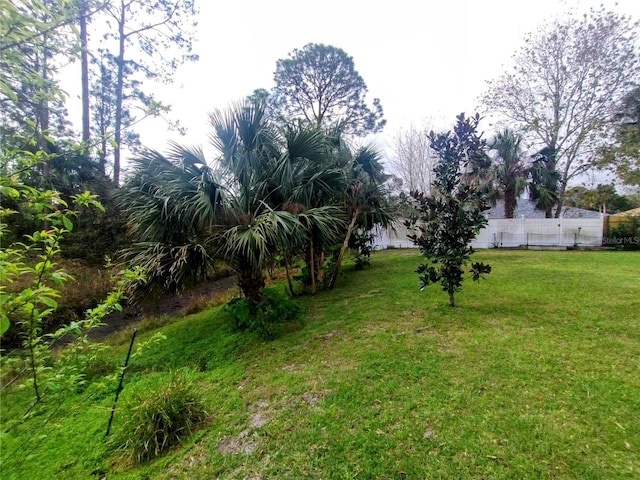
<point>536,374</point>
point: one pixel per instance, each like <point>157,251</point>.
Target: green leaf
<point>8,91</point>
<point>48,301</point>
<point>4,324</point>
<point>68,224</point>
<point>6,191</point>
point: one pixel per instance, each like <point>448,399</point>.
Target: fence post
<point>560,232</point>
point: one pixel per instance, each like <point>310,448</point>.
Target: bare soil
<point>169,304</point>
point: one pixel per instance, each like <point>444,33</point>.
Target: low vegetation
<point>533,375</point>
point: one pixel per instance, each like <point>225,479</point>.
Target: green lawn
<point>536,374</point>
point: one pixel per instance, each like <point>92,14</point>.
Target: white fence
<point>517,232</point>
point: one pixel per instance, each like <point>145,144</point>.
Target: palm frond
<point>169,198</point>
<point>254,243</point>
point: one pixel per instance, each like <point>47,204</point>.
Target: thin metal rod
<point>119,389</point>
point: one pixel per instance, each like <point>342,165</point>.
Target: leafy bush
<point>158,419</point>
<point>272,311</point>
<point>363,243</point>
<point>626,236</point>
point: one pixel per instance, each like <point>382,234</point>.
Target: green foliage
<point>32,305</point>
<point>383,381</point>
<point>104,231</point>
<point>34,35</point>
<point>159,418</point>
<point>319,85</point>
<point>185,215</point>
<point>362,243</point>
<point>624,155</point>
<point>365,200</point>
<point>267,316</point>
<point>602,198</point>
<point>34,259</point>
<point>445,222</point>
<point>510,171</point>
<point>625,236</point>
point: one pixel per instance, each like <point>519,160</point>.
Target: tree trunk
<point>311,263</point>
<point>560,204</point>
<point>84,65</point>
<point>343,249</point>
<point>510,201</point>
<point>119,96</point>
<point>251,282</point>
<point>288,272</point>
<point>43,114</point>
<point>102,121</point>
<point>451,300</point>
<point>318,262</point>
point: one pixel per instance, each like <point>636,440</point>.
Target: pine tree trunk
<point>119,97</point>
<point>84,65</point>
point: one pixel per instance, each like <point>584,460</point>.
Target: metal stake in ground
<point>119,389</point>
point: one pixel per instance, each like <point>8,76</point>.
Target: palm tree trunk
<point>312,263</point>
<point>343,249</point>
<point>288,272</point>
<point>510,201</point>
<point>251,282</point>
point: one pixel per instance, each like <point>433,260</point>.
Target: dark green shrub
<point>625,236</point>
<point>158,419</point>
<point>271,312</point>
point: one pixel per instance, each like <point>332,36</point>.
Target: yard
<point>535,374</point>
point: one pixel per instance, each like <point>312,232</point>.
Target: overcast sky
<point>423,59</point>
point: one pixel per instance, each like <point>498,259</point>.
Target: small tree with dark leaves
<point>444,223</point>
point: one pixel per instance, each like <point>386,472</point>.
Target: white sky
<point>423,59</point>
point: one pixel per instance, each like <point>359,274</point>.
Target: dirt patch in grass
<point>259,419</point>
<point>313,398</point>
<point>244,443</point>
<point>330,334</point>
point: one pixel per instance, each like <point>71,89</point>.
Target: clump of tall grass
<point>159,418</point>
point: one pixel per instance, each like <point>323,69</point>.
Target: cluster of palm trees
<point>291,191</point>
<point>513,174</point>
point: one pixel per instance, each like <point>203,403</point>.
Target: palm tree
<point>312,176</point>
<point>254,224</point>
<point>543,188</point>
<point>184,214</point>
<point>510,172</point>
<point>171,203</point>
<point>365,200</point>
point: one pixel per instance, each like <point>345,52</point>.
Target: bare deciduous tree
<point>413,159</point>
<point>564,86</point>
